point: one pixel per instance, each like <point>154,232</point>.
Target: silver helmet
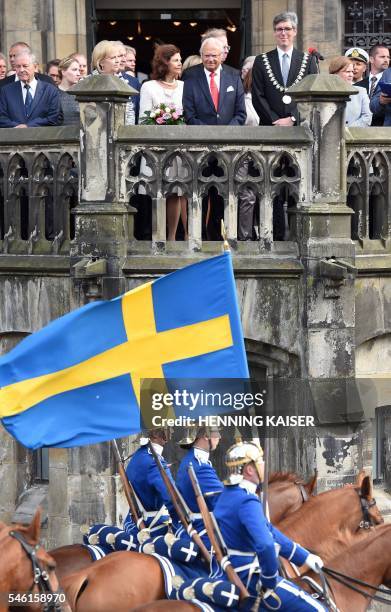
<point>239,455</point>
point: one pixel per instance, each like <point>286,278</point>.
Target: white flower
<point>152,114</point>
<point>167,109</point>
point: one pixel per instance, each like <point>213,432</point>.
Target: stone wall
<point>53,28</point>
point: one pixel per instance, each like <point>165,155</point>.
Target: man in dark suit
<point>221,35</point>
<point>213,96</point>
<point>379,61</point>
<point>28,102</point>
<point>274,72</point>
<point>14,51</point>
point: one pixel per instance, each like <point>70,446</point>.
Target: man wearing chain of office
<point>276,71</point>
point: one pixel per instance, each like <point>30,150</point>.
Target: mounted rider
<point>252,541</point>
<point>200,442</point>
<point>142,471</point>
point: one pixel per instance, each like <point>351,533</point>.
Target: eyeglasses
<point>227,48</point>
<point>211,56</point>
<point>279,30</point>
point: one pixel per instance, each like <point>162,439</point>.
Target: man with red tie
<point>213,95</point>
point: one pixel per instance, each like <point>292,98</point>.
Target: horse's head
<point>31,568</point>
<point>371,515</point>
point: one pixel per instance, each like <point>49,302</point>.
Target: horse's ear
<point>311,484</point>
<point>360,477</point>
<point>34,528</point>
<point>366,487</point>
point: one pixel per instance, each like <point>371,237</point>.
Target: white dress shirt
<point>217,76</point>
<point>33,88</point>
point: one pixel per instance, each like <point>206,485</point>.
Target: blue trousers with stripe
<point>292,599</point>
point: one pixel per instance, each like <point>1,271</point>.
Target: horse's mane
<point>285,477</point>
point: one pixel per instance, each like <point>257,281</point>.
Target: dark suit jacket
<point>45,110</point>
<point>198,106</point>
<point>38,76</point>
<point>266,98</point>
<point>377,118</point>
<point>189,72</point>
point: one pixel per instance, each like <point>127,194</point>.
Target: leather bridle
<point>40,575</point>
<point>367,521</point>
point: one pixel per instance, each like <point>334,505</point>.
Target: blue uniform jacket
<point>244,528</point>
<point>148,484</point>
<point>208,479</point>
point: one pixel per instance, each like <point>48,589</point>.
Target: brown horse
<point>139,578</point>
<point>287,492</point>
<point>117,582</point>
<point>347,508</point>
<point>25,567</point>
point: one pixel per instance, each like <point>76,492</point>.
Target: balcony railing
<point>270,170</point>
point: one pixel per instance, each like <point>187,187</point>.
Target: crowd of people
<point>203,90</point>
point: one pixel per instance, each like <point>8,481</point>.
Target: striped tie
<point>373,86</point>
<point>28,101</point>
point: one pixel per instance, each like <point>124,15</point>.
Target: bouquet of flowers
<point>164,114</point>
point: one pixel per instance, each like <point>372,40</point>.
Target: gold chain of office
<point>272,77</point>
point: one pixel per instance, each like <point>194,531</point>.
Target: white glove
<point>314,562</point>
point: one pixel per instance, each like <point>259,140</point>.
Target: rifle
<point>215,536</point>
<point>128,489</point>
<point>180,506</point>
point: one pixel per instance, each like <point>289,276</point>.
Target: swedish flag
<point>77,381</point>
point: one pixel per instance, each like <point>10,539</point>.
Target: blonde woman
<point>107,57</point>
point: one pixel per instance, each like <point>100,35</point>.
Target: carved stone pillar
<point>328,257</point>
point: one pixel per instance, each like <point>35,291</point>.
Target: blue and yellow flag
<point>77,381</point>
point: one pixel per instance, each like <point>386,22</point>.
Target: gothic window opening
<point>24,214</point>
<point>355,201</point>
<point>377,212</point>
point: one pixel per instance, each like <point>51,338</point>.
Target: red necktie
<point>214,92</point>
